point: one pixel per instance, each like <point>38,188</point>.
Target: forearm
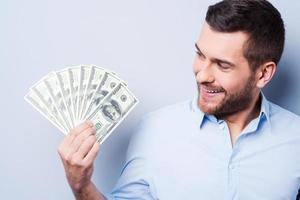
<point>90,192</point>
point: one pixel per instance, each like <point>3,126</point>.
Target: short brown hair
<point>258,18</point>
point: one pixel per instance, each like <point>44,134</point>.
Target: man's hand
<point>78,151</point>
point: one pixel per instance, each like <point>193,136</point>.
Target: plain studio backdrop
<point>150,44</point>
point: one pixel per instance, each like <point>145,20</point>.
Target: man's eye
<point>223,66</point>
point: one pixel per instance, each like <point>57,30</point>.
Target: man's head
<point>237,52</point>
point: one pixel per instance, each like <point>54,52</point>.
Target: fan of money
<point>78,93</point>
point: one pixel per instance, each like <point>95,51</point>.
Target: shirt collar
<point>265,109</point>
<point>200,115</point>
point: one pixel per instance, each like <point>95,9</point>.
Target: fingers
<point>92,154</point>
<point>78,151</point>
<point>86,146</point>
<point>77,142</point>
<point>65,149</point>
<point>79,129</point>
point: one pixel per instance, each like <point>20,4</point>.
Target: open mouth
<point>210,92</point>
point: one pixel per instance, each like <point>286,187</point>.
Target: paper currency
<point>32,98</point>
<point>112,111</point>
<point>95,78</point>
<point>53,87</point>
<point>74,73</point>
<point>85,72</point>
<point>42,92</point>
<point>106,86</point>
<point>63,79</point>
<point>78,93</point>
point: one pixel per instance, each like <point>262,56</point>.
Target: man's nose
<point>205,73</point>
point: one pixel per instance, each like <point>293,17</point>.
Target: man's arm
<point>78,151</point>
<point>88,193</point>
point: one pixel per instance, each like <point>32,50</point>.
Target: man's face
<point>226,84</point>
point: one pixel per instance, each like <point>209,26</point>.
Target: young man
<point>230,142</point>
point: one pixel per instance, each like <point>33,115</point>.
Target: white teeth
<point>212,91</point>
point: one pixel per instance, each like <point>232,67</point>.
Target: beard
<point>231,102</point>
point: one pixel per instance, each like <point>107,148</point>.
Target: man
<point>227,143</point>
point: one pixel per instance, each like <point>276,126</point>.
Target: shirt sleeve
<point>135,181</point>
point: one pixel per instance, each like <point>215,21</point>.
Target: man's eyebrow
<point>198,49</point>
<point>215,59</point>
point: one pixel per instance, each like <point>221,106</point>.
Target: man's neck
<point>238,121</point>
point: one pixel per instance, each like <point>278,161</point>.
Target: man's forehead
<point>221,44</point>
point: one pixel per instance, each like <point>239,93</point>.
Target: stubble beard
<point>231,103</point>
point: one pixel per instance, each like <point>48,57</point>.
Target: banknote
<point>74,73</point>
<point>53,87</point>
<point>42,92</point>
<point>95,79</point>
<point>112,111</point>
<point>85,72</point>
<point>32,98</point>
<point>63,79</point>
<point>107,85</point>
<point>86,92</point>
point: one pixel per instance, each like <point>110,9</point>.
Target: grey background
<point>150,44</point>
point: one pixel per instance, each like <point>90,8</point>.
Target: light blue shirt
<point>178,152</point>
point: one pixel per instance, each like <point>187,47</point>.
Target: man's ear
<point>265,73</point>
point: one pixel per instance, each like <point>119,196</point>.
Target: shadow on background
<point>283,88</point>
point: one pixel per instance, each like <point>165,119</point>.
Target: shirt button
<point>231,167</point>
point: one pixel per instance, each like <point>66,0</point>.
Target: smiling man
<point>229,142</point>
<point>228,87</point>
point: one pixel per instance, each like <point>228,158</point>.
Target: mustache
<point>210,86</point>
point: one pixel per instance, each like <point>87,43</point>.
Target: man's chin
<point>207,108</point>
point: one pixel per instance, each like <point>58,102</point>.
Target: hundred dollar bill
<point>114,108</point>
<point>52,84</point>
<point>85,72</point>
<point>74,73</point>
<point>43,93</point>
<point>64,83</point>
<point>95,78</point>
<point>32,98</point>
<point>106,86</point>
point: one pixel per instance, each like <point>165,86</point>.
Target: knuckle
<point>90,131</point>
<point>93,138</point>
<point>89,123</point>
<point>85,135</point>
<point>90,141</point>
<point>75,161</point>
<point>86,165</point>
<point>93,128</point>
<point>84,125</point>
<point>68,158</point>
<point>73,131</point>
<point>80,139</point>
